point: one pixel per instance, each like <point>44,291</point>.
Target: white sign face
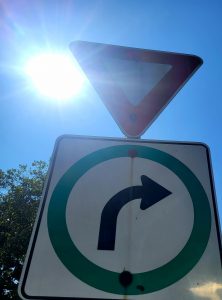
<point>125,218</point>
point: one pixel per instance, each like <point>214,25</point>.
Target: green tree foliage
<point>20,192</point>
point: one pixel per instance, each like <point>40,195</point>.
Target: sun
<point>55,75</point>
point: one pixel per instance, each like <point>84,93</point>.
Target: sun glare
<point>55,75</point>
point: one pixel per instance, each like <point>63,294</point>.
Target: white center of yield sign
<point>141,235</point>
<point>136,78</point>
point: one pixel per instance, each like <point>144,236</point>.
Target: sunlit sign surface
<point>125,217</point>
<point>134,84</point>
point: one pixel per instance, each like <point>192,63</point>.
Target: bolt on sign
<point>125,218</point>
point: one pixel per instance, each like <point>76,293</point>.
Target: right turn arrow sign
<point>149,192</point>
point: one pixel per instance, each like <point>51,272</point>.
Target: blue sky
<point>29,124</point>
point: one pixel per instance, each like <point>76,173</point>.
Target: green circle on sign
<point>107,280</point>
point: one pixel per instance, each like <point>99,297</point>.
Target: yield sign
<point>134,84</point>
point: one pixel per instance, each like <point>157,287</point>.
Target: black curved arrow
<point>150,193</point>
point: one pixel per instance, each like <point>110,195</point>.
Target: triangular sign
<point>134,84</point>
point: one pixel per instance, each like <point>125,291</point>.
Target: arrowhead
<point>152,192</point>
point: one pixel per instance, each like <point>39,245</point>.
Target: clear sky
<point>29,123</point>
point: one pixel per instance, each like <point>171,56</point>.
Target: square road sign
<point>121,218</point>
